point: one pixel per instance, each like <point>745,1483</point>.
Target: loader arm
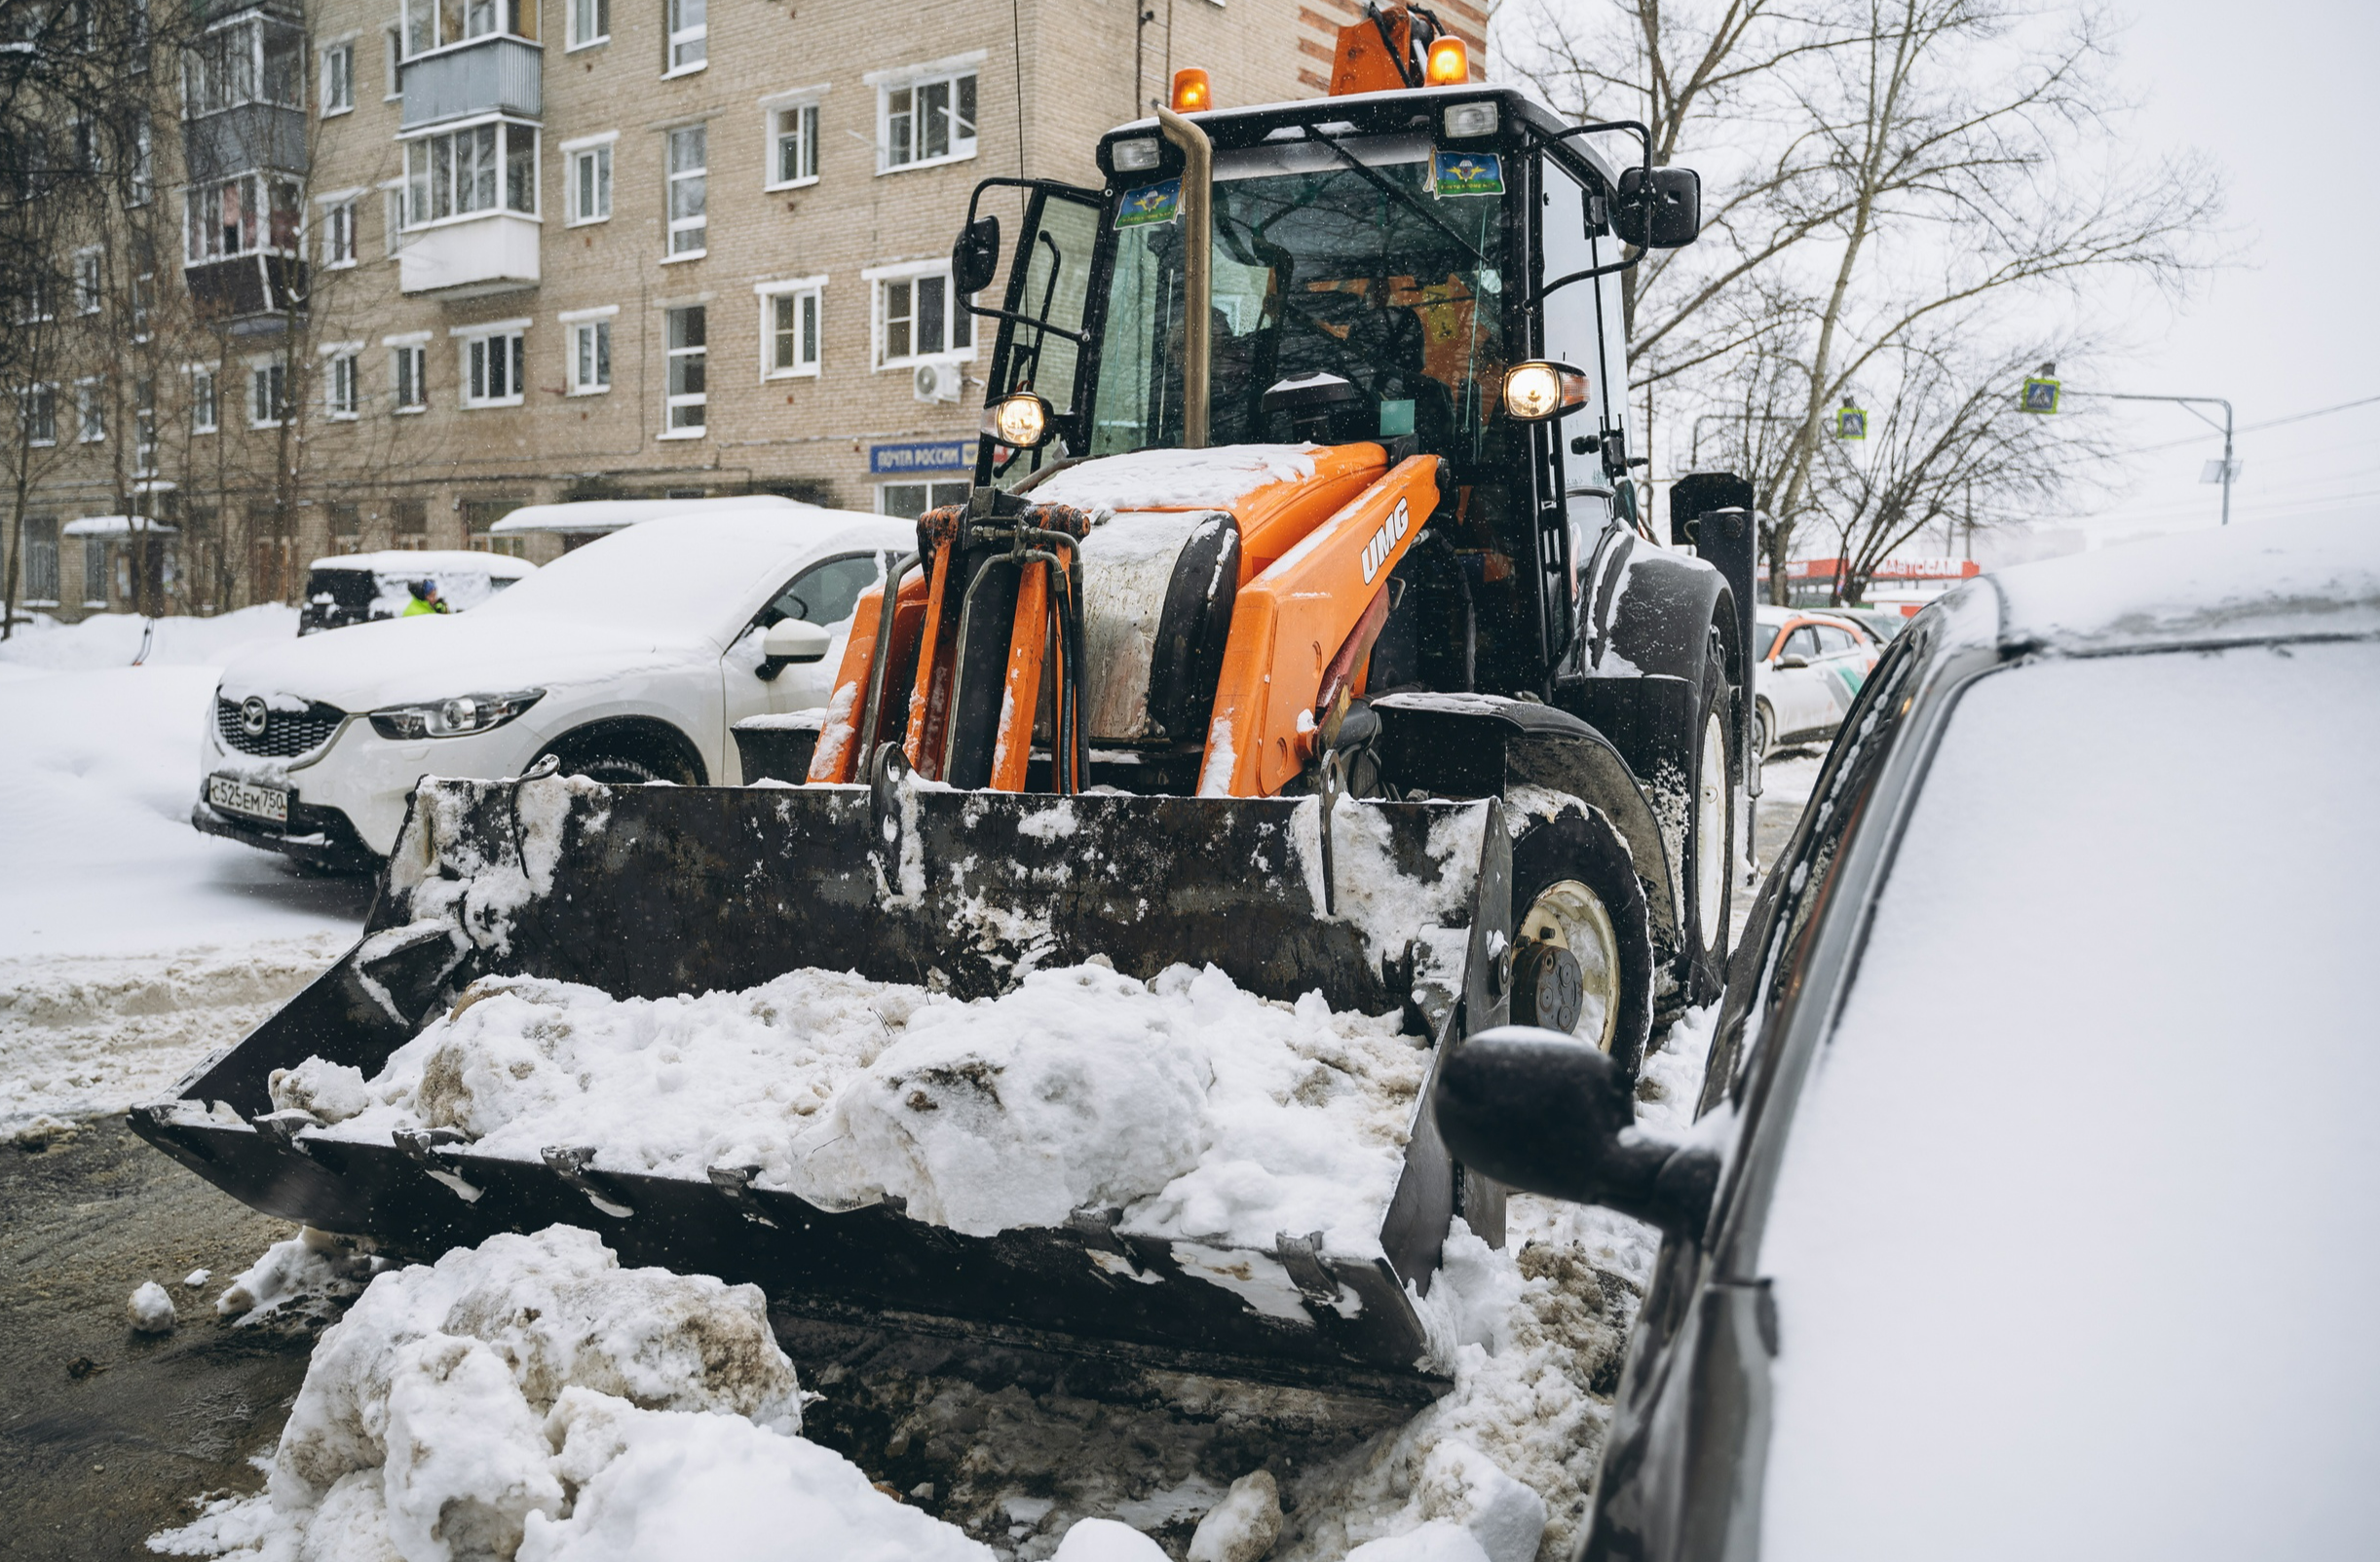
<point>1292,625</point>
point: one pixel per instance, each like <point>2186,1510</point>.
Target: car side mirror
<point>975,257</point>
<point>790,642</point>
<point>1661,212</point>
<point>1791,663</point>
<point>1548,1113</point>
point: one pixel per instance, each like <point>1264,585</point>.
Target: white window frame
<point>699,400</point>
<point>416,346</point>
<point>806,102</point>
<point>508,128</point>
<point>599,10</point>
<point>342,360</point>
<point>516,361</point>
<point>956,487</point>
<point>337,70</point>
<point>393,47</point>
<point>210,404</point>
<point>672,224</point>
<point>141,187</point>
<point>341,218</point>
<point>598,150</point>
<point>577,325</point>
<point>879,311</point>
<point>799,288</point>
<point>89,412</point>
<point>678,37</point>
<point>260,369</point>
<point>24,404</point>
<point>910,78</point>
<point>90,280</point>
<point>502,16</point>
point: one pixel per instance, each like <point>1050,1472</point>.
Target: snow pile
<point>113,639</point>
<point>306,1275</point>
<point>1162,479</point>
<point>84,1036</point>
<point>530,1397</point>
<point>151,1310</point>
<point>1202,1112</point>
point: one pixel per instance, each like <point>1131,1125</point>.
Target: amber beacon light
<point>1191,93</point>
<point>1450,62</point>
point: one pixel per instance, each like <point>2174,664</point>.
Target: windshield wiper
<point>1406,196</point>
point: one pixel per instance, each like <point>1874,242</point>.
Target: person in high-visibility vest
<point>426,600</point>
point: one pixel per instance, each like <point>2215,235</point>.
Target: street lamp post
<point>2231,466</point>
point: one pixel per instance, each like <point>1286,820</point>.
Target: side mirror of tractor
<point>1662,213</point>
<point>790,642</point>
<point>1548,1113</point>
<point>975,257</point>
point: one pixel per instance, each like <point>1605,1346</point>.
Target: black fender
<point>1461,746</point>
<point>1640,692</point>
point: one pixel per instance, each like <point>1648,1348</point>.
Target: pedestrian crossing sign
<point>2040,395</point>
<point>1851,423</point>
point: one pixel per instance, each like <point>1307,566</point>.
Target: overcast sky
<point>2279,94</point>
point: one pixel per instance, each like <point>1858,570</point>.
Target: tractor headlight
<point>1020,420</point>
<point>1538,390</point>
<point>463,714</point>
<point>1135,155</point>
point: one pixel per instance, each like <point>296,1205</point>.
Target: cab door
<point>1042,317</point>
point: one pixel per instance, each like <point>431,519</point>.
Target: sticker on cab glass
<point>1149,205</point>
<point>1468,173</point>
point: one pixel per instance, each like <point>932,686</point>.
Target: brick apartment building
<point>440,258</point>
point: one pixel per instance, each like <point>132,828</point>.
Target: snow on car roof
<point>428,561</point>
<point>612,514</point>
<point>2239,583</point>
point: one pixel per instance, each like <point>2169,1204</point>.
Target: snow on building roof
<point>430,561</point>
<point>590,516</point>
<point>116,526</point>
<point>2239,583</point>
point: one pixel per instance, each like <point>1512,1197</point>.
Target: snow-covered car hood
<point>402,661</point>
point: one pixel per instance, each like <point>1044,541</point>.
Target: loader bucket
<point>650,890</point>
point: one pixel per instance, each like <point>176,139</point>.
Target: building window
<point>589,165</point>
<point>915,319</point>
<point>408,380</point>
<point>689,226</point>
<point>409,524</point>
<point>255,60</point>
<point>339,234</point>
<point>929,120</point>
<point>144,429</point>
<point>89,290</point>
<point>94,572</point>
<point>463,172</point>
<point>241,216</point>
<point>909,500</point>
<point>202,400</point>
<point>492,363</point>
<point>90,412</point>
<point>40,403</point>
<point>143,184</point>
<point>267,394</point>
<point>339,394</point>
<point>434,23</point>
<point>591,22</point>
<point>41,562</point>
<point>789,327</point>
<point>338,78</point>
<point>793,145</point>
<point>590,357</point>
<point>393,55</point>
<point>144,301</point>
<point>688,35</point>
<point>688,400</point>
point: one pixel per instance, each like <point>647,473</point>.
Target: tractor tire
<point>1575,884</point>
<point>1709,839</point>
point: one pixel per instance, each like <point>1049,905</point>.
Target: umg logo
<point>1384,541</point>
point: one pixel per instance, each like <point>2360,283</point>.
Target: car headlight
<point>463,714</point>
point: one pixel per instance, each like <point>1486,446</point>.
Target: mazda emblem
<point>252,715</point>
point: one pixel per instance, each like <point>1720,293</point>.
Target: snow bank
<point>530,1397</point>
<point>1202,1112</point>
<point>113,639</point>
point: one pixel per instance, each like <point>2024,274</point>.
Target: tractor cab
<point>1433,271</point>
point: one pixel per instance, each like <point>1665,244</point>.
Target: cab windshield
<point>1319,269</point>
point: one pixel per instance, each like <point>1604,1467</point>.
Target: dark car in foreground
<point>2032,1210</point>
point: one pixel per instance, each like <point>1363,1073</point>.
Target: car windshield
<point>2070,1236</point>
<point>1319,269</point>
